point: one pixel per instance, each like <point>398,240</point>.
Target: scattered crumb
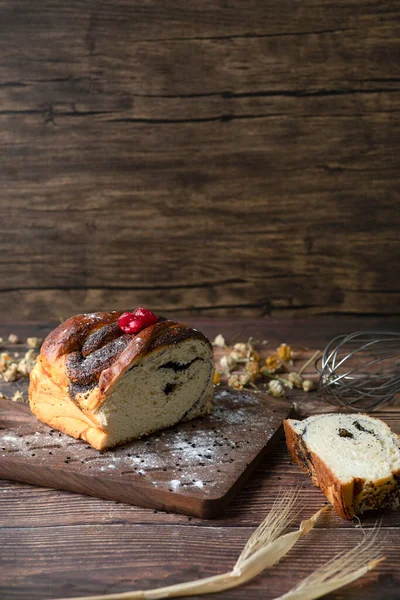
<point>3,396</point>
<point>13,339</point>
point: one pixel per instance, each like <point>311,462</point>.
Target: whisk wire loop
<point>361,371</point>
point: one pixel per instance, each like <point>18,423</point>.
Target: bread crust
<point>339,495</point>
<point>50,382</point>
<point>52,405</point>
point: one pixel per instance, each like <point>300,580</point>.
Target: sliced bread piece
<point>353,458</point>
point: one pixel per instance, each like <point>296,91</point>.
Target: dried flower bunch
<point>18,365</point>
<point>242,367</point>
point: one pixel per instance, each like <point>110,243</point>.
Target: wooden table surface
<point>57,544</point>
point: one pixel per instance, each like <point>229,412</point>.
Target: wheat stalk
<point>341,570</point>
<point>265,548</point>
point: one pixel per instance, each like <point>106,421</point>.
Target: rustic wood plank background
<point>212,157</point>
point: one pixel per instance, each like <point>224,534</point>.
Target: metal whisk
<point>361,371</point>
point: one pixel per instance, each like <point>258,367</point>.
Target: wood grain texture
<point>119,560</point>
<point>57,544</point>
<point>223,158</point>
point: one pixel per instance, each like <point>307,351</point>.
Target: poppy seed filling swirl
<point>99,351</point>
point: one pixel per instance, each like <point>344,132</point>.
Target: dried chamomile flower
<point>35,342</point>
<point>24,368</point>
<point>5,360</point>
<point>228,363</point>
<point>240,351</point>
<point>285,352</point>
<point>308,385</point>
<point>11,374</point>
<point>30,355</point>
<point>296,380</point>
<point>219,341</point>
<point>217,378</point>
<point>275,388</point>
<point>242,348</point>
<point>13,339</point>
<point>238,381</point>
<point>254,355</point>
<point>26,365</point>
<point>253,369</point>
<point>272,363</point>
<point>18,397</point>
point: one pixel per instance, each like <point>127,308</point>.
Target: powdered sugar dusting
<point>28,443</point>
<point>9,438</point>
<point>193,448</point>
<point>241,398</point>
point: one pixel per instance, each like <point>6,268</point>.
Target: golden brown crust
<point>53,406</point>
<point>72,334</point>
<point>340,495</point>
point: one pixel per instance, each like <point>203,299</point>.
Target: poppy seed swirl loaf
<point>95,382</point>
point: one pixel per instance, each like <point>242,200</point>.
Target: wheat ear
<point>341,570</point>
<point>280,517</point>
<point>265,548</point>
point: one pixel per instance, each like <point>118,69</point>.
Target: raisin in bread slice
<point>353,458</point>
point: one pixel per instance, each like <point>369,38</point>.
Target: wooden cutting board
<point>194,468</point>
